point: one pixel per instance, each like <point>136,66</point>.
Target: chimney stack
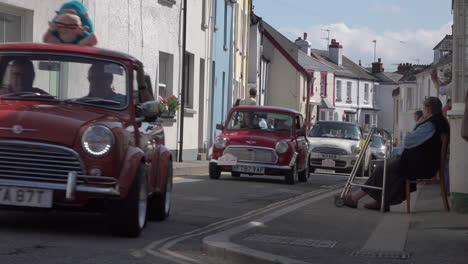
<point>403,68</point>
<point>303,44</point>
<point>335,52</point>
<point>377,67</point>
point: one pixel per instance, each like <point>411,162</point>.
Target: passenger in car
<point>100,84</point>
<point>421,159</point>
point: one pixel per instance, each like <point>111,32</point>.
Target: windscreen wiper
<point>28,95</point>
<point>93,100</point>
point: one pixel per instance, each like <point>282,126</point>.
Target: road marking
<point>292,241</point>
<point>185,180</point>
<point>161,248</point>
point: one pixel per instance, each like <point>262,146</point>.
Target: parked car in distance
<point>334,146</point>
<point>261,140</point>
<point>82,138</point>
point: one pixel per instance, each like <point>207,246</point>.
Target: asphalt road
<point>200,207</point>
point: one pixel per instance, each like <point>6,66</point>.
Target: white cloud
<point>392,46</point>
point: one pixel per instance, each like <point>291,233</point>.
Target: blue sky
<point>405,30</point>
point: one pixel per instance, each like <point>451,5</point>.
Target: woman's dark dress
<point>421,162</point>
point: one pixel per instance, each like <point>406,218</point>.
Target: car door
<point>302,144</point>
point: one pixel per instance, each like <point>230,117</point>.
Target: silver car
<point>334,146</point>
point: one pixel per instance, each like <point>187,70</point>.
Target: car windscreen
<point>68,79</point>
<point>377,142</point>
<point>336,130</point>
<point>261,121</point>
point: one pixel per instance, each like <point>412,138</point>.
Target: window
<point>338,91</point>
<point>330,115</point>
<point>16,25</point>
<point>188,80</point>
<point>366,93</point>
<point>323,84</point>
<point>428,87</point>
<point>225,25</point>
<point>205,16</point>
<point>409,99</point>
<point>367,119</point>
<point>348,92</point>
<point>323,115</point>
<point>165,80</point>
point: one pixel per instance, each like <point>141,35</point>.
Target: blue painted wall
<point>221,83</point>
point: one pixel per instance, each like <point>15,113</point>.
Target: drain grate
<point>382,254</point>
<point>282,240</point>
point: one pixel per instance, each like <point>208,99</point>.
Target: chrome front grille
<point>38,162</point>
<point>330,150</point>
<point>253,154</point>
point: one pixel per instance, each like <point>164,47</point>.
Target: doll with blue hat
<point>71,25</point>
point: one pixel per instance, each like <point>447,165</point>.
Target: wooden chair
<point>440,180</point>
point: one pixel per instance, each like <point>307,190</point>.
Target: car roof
<point>266,108</point>
<point>67,48</point>
<point>338,123</point>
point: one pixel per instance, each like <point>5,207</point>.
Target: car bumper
<point>346,162</point>
<point>269,169</point>
<point>71,187</point>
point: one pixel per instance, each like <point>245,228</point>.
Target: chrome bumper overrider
<point>71,187</point>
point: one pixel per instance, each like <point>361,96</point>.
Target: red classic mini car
<point>79,130</point>
<point>259,140</point>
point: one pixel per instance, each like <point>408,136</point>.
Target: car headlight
<point>380,153</point>
<point>221,142</point>
<point>281,147</point>
<point>355,149</point>
<point>97,141</point>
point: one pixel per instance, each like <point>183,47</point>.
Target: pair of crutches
<point>339,200</point>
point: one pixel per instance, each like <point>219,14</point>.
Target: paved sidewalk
<point>318,232</point>
<point>191,168</point>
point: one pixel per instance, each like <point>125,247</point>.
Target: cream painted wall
<point>286,84</point>
<point>241,48</point>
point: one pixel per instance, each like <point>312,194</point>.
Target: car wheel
<point>291,176</point>
<point>159,205</point>
<point>235,174</point>
<point>214,171</point>
<point>128,216</point>
<point>304,174</point>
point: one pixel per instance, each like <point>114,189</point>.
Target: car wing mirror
<point>150,110</point>
<point>219,127</point>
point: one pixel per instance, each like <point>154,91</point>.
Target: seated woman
<point>421,159</point>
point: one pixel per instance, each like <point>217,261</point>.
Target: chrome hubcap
<point>169,184</point>
<point>142,202</point>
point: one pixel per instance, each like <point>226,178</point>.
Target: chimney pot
<point>305,35</point>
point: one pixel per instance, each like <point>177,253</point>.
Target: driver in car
<point>100,84</point>
<point>21,77</point>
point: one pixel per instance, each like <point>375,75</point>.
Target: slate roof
<point>310,63</point>
<point>307,62</point>
<point>388,77</point>
<point>349,69</point>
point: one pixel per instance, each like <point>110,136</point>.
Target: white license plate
<point>329,156</point>
<point>328,163</point>
<point>248,169</point>
<point>23,196</point>
<point>324,171</point>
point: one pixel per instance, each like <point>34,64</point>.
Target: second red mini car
<point>259,140</point>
